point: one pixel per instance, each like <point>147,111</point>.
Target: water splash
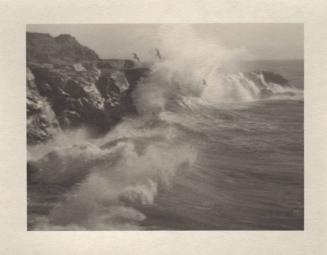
<point>105,183</point>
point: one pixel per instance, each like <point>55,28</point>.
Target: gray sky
<point>262,41</point>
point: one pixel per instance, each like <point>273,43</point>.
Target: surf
<point>110,182</point>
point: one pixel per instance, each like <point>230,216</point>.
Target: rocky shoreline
<point>69,86</point>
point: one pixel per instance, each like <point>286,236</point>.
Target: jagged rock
<point>78,67</point>
<point>118,64</point>
<point>70,118</point>
<point>43,48</point>
<point>41,120</point>
<point>74,88</point>
<point>275,78</point>
<point>78,88</point>
<point>263,76</point>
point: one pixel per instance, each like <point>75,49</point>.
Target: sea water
<point>190,161</point>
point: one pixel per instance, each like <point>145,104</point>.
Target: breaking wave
<point>77,182</point>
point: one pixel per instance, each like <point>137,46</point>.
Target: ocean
<point>203,154</point>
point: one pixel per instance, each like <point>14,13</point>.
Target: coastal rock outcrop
<point>63,49</point>
<point>69,86</point>
<point>263,79</point>
<point>41,120</point>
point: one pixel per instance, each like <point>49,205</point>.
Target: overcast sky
<point>262,41</point>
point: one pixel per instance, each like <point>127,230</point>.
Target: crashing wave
<point>106,182</point>
<point>256,85</point>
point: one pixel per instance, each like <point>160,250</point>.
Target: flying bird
<point>158,55</point>
<point>136,57</point>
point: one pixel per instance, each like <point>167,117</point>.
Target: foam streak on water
<point>209,149</point>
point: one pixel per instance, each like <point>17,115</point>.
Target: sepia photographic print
<point>165,126</point>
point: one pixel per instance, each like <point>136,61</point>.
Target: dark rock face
<point>68,86</point>
<point>42,48</point>
<point>275,78</point>
<point>261,77</point>
<point>41,120</point>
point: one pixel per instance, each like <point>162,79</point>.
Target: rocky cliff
<point>69,86</point>
<point>62,49</point>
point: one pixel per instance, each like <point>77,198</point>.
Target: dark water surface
<point>249,172</point>
<point>194,166</point>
